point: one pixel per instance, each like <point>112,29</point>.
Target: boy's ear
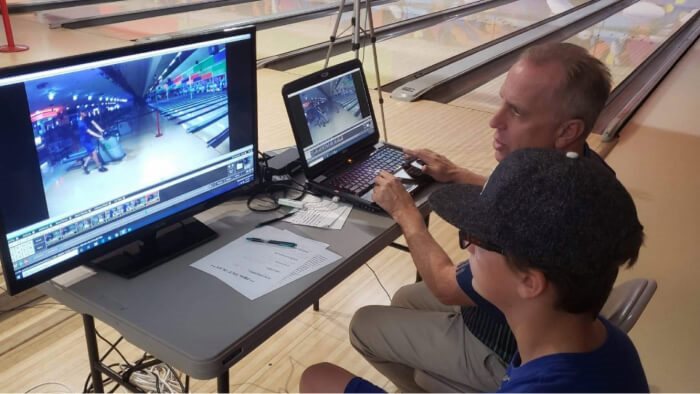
<point>532,284</point>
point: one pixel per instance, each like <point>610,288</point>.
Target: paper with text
<point>255,269</point>
<point>321,212</point>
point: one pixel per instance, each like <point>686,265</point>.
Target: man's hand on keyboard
<point>437,166</point>
<point>390,194</point>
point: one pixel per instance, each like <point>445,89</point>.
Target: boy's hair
<point>587,291</point>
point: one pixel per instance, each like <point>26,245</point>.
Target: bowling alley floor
<point>657,158</point>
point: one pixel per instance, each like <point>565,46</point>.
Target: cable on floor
<point>65,388</point>
<point>380,282</point>
<point>147,373</point>
<point>291,373</point>
<point>159,378</point>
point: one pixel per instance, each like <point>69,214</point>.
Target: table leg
<point>93,353</point>
<point>317,305</point>
<point>222,383</point>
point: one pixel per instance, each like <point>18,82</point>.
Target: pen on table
<point>277,219</point>
<point>272,242</point>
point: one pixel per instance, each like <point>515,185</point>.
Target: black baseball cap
<point>547,207</point>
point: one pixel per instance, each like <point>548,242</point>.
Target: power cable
<point>380,282</point>
<point>63,386</point>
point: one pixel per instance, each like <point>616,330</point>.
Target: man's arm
<point>93,133</point>
<point>433,264</point>
<point>97,126</point>
<point>467,177</point>
<point>443,170</point>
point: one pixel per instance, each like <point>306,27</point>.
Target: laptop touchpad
<point>399,174</point>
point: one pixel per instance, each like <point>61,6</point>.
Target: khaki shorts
<point>421,344</point>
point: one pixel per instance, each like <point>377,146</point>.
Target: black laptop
<point>337,135</point>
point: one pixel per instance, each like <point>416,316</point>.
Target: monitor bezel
<point>15,286</point>
<point>315,78</point>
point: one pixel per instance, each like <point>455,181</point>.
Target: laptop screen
<point>331,115</point>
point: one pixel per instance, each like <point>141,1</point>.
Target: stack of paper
<point>257,268</point>
<point>321,212</point>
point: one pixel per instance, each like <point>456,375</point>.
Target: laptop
<point>337,136</point>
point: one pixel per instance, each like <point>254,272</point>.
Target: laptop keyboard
<point>360,178</point>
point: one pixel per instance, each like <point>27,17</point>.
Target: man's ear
<point>531,284</point>
<point>572,131</point>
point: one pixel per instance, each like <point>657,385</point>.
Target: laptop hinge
<point>361,154</point>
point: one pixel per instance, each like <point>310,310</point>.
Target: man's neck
<point>550,332</point>
<point>574,147</point>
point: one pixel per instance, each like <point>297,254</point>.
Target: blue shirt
<point>359,385</point>
<point>83,133</point>
<point>614,368</point>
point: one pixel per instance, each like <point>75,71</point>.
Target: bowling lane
<point>302,34</point>
<point>24,2</point>
<point>140,28</point>
<point>11,3</point>
<point>622,42</point>
<point>308,32</point>
<point>406,54</point>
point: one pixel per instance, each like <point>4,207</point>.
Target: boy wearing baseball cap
<point>547,235</point>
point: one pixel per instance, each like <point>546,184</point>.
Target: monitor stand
<point>155,249</point>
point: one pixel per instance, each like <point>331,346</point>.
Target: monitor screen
<point>102,149</point>
<point>336,115</point>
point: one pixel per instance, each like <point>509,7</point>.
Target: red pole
<point>10,47</point>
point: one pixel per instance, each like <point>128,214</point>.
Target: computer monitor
<point>331,111</point>
<point>106,156</point>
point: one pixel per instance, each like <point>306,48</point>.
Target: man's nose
<point>496,121</point>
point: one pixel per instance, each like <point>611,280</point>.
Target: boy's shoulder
<point>613,367</point>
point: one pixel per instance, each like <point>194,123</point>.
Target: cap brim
<point>462,206</point>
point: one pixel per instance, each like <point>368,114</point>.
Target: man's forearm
<point>97,126</point>
<point>433,264</point>
<point>94,133</point>
<point>462,175</point>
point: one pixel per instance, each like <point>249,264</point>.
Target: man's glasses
<point>465,240</point>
